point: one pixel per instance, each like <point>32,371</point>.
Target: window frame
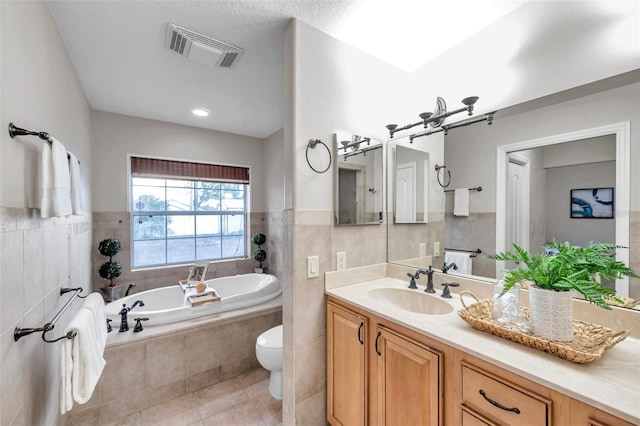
<point>246,213</point>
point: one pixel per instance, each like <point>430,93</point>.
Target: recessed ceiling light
<point>200,112</point>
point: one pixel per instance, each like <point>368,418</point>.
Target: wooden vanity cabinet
<point>379,373</point>
<point>346,366</point>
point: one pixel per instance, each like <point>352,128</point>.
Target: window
<point>184,212</point>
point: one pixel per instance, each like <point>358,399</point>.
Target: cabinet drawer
<point>507,403</point>
<point>471,418</point>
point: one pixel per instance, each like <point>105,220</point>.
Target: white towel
<point>461,202</point>
<point>76,185</point>
<point>82,358</point>
<point>462,260</point>
<point>46,197</point>
<point>56,181</point>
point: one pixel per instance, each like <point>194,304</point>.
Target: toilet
<point>269,354</point>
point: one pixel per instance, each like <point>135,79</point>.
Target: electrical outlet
<point>423,249</point>
<point>341,260</point>
<point>436,249</point>
<point>313,267</point>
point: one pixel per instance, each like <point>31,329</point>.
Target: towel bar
<point>21,332</point>
<point>474,253</point>
<point>17,131</point>
<point>477,188</point>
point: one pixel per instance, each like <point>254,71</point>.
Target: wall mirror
<point>415,201</point>
<point>411,185</point>
<point>548,165</point>
<point>359,180</point>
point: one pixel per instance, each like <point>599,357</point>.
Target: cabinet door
<point>409,381</point>
<point>346,367</point>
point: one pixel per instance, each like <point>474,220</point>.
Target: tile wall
<point>118,225</point>
<point>477,231</point>
<point>154,370</point>
<point>37,258</point>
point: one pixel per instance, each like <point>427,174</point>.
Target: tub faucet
<point>124,325</point>
<point>132,285</point>
<point>446,267</point>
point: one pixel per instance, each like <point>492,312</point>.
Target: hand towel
<point>82,358</point>
<point>46,197</point>
<point>462,260</point>
<point>461,202</point>
<point>76,185</point>
<point>61,179</point>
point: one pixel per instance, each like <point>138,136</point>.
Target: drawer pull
<point>360,331</point>
<point>497,404</point>
<point>378,337</point>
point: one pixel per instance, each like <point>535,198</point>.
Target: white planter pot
<point>551,313</point>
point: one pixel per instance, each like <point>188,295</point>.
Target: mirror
<point>410,238</point>
<point>479,156</point>
<point>411,185</point>
<point>359,180</point>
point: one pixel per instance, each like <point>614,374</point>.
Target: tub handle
<point>359,333</point>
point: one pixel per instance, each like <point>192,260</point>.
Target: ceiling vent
<point>201,48</point>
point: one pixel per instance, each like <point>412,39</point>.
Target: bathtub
<point>166,304</point>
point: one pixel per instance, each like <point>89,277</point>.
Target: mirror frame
<point>622,132</point>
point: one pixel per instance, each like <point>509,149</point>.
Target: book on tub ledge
<point>199,293</point>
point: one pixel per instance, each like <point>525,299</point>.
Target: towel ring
<point>312,144</point>
<point>438,175</point>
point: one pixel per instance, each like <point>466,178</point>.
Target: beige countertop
<point>611,383</point>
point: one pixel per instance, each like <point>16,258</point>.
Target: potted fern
<point>554,275</point>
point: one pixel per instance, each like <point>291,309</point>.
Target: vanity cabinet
<point>408,380</point>
<point>346,366</point>
<point>378,375</point>
<point>382,373</point>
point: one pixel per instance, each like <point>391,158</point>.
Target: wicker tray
<point>589,340</point>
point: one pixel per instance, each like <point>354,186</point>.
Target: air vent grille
<point>195,45</point>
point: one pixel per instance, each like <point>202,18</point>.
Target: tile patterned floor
<point>242,401</point>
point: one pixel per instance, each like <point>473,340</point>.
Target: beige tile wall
<point>477,231</point>
<point>153,370</point>
<point>634,253</point>
<point>37,258</point>
<point>118,225</point>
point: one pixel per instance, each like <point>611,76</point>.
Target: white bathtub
<point>166,304</point>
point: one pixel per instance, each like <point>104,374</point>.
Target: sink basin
<point>411,300</point>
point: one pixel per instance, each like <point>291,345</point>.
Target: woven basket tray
<point>589,340</point>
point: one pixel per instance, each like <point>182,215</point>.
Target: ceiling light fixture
<point>200,112</point>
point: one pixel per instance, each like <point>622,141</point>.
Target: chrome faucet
<point>124,324</point>
<point>446,267</point>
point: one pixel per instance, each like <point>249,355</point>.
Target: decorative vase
<point>551,313</point>
<point>109,294</point>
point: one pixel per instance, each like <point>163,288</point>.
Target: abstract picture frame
<point>592,203</point>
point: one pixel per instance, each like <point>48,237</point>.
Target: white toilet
<point>269,354</point>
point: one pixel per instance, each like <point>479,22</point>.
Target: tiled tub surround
<point>609,383</point>
<point>37,258</point>
<point>164,362</point>
<point>118,225</point>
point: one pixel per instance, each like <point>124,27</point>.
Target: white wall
<point>39,91</point>
<point>471,152</point>
<point>114,136</point>
<point>560,181</point>
<point>512,61</point>
<point>592,150</point>
<point>274,172</point>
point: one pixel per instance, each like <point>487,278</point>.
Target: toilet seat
<point>271,340</point>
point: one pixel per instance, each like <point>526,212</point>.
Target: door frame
<point>622,132</point>
<point>525,212</point>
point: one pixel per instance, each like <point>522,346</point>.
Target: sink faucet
<point>124,325</point>
<point>429,273</point>
<point>446,267</point>
<point>414,277</point>
<point>446,292</point>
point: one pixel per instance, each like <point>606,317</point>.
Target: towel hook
<point>438,175</point>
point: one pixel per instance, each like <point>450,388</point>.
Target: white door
<point>517,214</point>
<point>406,193</point>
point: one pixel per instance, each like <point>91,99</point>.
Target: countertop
<point>611,383</point>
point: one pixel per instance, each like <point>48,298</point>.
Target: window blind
<point>154,167</point>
